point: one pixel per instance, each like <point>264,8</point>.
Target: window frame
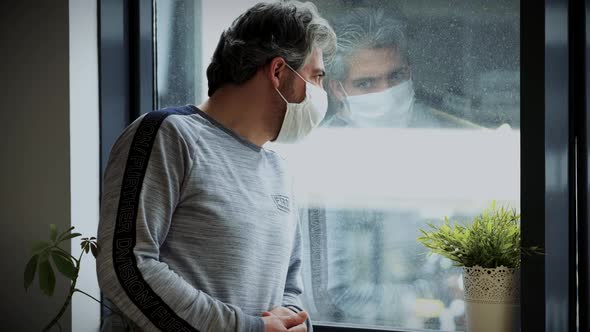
<point>126,75</point>
<point>580,58</point>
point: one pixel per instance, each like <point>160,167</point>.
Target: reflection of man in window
<point>373,261</point>
<point>370,79</point>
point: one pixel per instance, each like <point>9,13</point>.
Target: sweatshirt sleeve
<point>294,283</point>
<point>142,185</point>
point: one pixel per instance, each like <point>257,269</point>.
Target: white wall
<point>84,153</point>
<point>49,150</point>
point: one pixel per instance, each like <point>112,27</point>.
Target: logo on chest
<point>282,202</point>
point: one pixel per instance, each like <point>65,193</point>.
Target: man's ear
<point>276,71</point>
<point>336,89</point>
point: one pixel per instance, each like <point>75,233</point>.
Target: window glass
<point>423,122</point>
<point>177,43</point>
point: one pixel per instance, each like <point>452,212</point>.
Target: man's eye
<point>395,80</point>
<point>363,84</point>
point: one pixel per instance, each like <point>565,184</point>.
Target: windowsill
<point>333,327</point>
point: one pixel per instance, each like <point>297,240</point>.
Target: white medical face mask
<point>388,108</point>
<point>303,117</point>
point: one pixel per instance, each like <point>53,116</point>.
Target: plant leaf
<point>53,232</point>
<point>94,249</point>
<point>46,278</point>
<point>43,256</point>
<point>30,271</point>
<point>87,247</point>
<point>60,237</point>
<point>64,265</point>
<point>39,246</point>
<point>70,236</point>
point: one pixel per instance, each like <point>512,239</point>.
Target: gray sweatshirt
<point>198,227</point>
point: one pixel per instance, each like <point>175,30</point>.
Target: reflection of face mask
<point>303,117</point>
<point>387,108</point>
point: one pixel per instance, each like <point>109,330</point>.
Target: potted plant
<point>44,253</point>
<point>489,251</point>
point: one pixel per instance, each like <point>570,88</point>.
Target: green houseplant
<point>47,254</point>
<point>491,240</point>
<point>489,251</point>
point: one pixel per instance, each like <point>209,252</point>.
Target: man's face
<point>313,72</point>
<point>374,70</point>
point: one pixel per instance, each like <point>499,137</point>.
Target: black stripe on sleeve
<point>124,239</point>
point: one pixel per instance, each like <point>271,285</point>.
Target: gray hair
<point>287,29</point>
<point>363,28</point>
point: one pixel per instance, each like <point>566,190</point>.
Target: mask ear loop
<point>280,94</point>
<point>345,112</point>
<point>295,71</point>
<point>342,87</point>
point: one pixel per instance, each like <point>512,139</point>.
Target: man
<point>198,228</point>
<point>370,79</point>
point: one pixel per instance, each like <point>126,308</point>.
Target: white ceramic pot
<point>492,299</point>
